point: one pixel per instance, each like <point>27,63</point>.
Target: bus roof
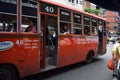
<point>71,8</point>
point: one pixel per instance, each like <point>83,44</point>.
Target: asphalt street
<point>97,70</point>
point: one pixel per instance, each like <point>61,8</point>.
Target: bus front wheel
<point>7,73</point>
<point>89,57</point>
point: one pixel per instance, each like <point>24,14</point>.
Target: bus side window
<point>29,25</point>
<point>94,30</point>
<point>12,27</point>
<point>65,28</point>
<point>77,29</point>
<point>8,23</point>
<point>87,30</point>
<point>94,26</point>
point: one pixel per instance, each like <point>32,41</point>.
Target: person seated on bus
<point>86,32</point>
<point>94,31</point>
<point>12,27</point>
<point>31,27</point>
<point>65,30</point>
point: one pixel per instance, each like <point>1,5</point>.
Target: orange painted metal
<point>73,49</point>
<point>21,50</point>
<point>104,45</point>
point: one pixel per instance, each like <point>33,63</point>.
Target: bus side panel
<point>92,43</point>
<point>74,49</point>
<point>21,51</point>
<point>104,45</point>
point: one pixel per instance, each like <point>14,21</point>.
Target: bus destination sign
<point>48,8</point>
<point>8,6</point>
<point>29,8</point>
<point>77,18</point>
<point>65,15</point>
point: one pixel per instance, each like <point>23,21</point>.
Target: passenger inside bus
<point>31,27</point>
<point>64,29</point>
<point>94,31</point>
<point>87,30</point>
<point>51,32</point>
<point>12,27</point>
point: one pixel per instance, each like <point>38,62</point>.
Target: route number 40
<point>49,9</point>
<point>19,42</point>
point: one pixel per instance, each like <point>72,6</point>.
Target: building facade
<point>111,18</point>
<point>72,3</point>
<point>87,4</point>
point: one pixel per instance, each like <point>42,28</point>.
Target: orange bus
<point>63,36</point>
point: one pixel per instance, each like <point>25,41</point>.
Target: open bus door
<point>49,42</point>
<point>100,39</point>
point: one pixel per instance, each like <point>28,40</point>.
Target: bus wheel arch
<point>89,57</point>
<point>8,72</point>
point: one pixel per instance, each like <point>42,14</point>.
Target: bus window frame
<point>69,23</point>
<point>93,26</point>
<point>35,18</point>
<point>76,23</point>
<point>77,28</point>
<point>29,16</point>
<point>9,22</point>
<point>86,24</point>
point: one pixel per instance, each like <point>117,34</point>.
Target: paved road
<point>80,71</point>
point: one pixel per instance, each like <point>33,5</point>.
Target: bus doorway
<point>100,40</point>
<point>49,42</point>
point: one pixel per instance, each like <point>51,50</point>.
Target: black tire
<point>89,58</point>
<point>8,73</point>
